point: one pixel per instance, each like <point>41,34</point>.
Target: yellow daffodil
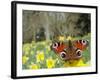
<point>40,56</point>
<point>75,63</point>
<point>61,38</point>
<point>33,66</point>
<point>50,63</point>
<point>81,63</point>
<point>69,38</point>
<point>24,59</point>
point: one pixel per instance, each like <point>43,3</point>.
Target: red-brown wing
<point>58,47</point>
<point>81,44</point>
<point>61,48</point>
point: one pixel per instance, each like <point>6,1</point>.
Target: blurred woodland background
<point>41,25</point>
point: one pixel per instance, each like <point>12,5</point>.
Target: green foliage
<point>40,54</point>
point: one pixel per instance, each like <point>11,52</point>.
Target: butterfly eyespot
<point>55,45</point>
<point>84,42</point>
<point>79,53</point>
<point>63,55</point>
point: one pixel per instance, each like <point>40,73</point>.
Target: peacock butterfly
<point>72,50</point>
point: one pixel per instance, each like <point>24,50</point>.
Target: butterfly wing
<point>81,44</point>
<point>58,47</point>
